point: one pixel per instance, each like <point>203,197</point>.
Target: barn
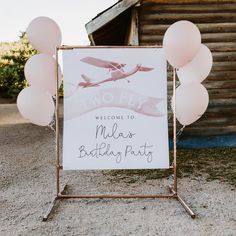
<point>144,22</point>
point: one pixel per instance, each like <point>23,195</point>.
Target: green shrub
<point>12,62</point>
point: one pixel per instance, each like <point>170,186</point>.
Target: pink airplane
<point>116,69</point>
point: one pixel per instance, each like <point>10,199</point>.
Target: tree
<point>12,62</point>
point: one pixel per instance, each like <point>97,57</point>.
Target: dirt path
<point>27,186</point>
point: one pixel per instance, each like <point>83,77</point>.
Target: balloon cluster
<point>193,62</point>
<point>35,102</point>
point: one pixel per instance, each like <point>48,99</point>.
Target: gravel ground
<point>27,183</point>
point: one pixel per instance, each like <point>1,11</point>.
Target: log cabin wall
<point>217,23</point>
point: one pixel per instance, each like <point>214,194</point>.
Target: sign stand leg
<point>53,204</point>
<point>61,194</point>
<point>174,131</point>
<point>174,189</point>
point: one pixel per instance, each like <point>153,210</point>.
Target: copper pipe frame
<point>174,131</point>
<point>182,202</point>
<point>62,195</point>
<point>58,165</point>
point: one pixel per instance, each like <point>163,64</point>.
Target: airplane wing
<point>145,69</point>
<point>102,63</point>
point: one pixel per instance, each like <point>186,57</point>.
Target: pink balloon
<point>198,69</point>
<point>40,71</point>
<point>191,102</point>
<point>36,105</point>
<point>44,34</point>
<point>181,43</point>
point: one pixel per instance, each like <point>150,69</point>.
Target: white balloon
<point>36,105</point>
<point>181,43</point>
<point>44,34</point>
<point>191,102</point>
<point>198,69</point>
<point>40,71</point>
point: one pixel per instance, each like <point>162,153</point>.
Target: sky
<point>70,15</point>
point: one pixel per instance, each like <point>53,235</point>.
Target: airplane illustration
<point>116,70</point>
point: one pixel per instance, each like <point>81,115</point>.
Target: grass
<point>212,164</point>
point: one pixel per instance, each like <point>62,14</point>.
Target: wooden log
<point>222,47</point>
<point>189,8</point>
<point>220,84</point>
<point>210,131</point>
<point>211,27</point>
<point>195,18</point>
<point>218,122</point>
<point>186,1</point>
<point>218,37</point>
<point>224,107</point>
<point>224,66</point>
<point>225,94</point>
<point>223,56</point>
<point>214,76</point>
<point>214,47</point>
<point>206,38</point>
<point>221,112</point>
<point>219,103</point>
<point>153,37</point>
<point>206,126</point>
<point>216,118</point>
<point>219,94</point>
<point>222,75</point>
<point>203,123</point>
<point>219,78</point>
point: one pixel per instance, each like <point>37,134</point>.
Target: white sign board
<point>115,109</point>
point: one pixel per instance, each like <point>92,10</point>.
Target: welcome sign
<point>115,108</point>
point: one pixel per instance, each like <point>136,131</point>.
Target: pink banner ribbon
<point>111,97</point>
